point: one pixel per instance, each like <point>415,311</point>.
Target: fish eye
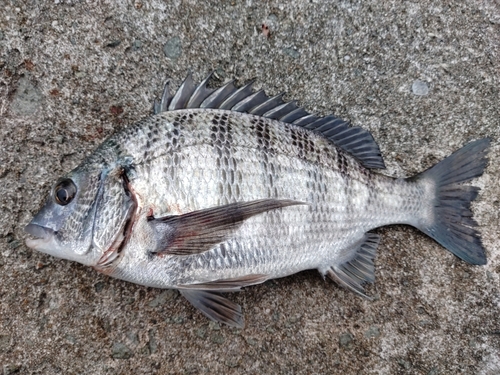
<point>64,192</point>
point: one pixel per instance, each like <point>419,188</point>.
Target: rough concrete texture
<point>423,76</point>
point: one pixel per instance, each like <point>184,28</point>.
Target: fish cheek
<point>76,230</point>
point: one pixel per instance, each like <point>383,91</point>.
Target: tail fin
<point>453,224</point>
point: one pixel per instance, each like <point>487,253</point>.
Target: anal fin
<point>358,269</point>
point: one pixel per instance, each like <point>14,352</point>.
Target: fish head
<point>63,227</point>
<point>83,217</point>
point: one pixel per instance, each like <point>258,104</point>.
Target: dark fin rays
<point>215,307</point>
<point>282,110</point>
<point>183,94</point>
<point>246,104</point>
<point>218,97</point>
<point>294,115</point>
<point>453,224</point>
<point>307,118</point>
<point>267,106</point>
<point>236,97</point>
<point>162,104</point>
<point>360,268</point>
<point>356,141</point>
<point>199,231</point>
<point>200,94</point>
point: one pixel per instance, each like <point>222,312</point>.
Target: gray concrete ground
<point>423,76</point>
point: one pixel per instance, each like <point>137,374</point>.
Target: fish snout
<point>41,234</point>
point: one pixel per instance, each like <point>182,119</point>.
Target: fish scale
<point>227,188</point>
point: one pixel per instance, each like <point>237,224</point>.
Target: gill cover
<point>115,212</point>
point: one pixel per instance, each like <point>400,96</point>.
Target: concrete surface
<point>423,76</point>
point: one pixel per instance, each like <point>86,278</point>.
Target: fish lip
<point>42,235</point>
<point>40,232</point>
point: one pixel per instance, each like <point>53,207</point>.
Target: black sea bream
<point>222,189</point>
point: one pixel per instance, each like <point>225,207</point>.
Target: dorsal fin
<point>354,140</point>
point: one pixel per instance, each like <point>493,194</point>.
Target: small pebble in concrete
<point>176,319</point>
<point>99,286</point>
<point>251,341</point>
<point>15,244</point>
<point>292,52</point>
<point>346,340</point>
<point>173,48</point>
<point>4,343</point>
<point>404,364</point>
<point>214,326</point>
<point>420,88</point>
<point>217,338</point>
<point>232,363</point>
<point>270,26</point>
<point>153,347</point>
<point>121,351</point>
<point>372,332</point>
<point>201,332</point>
<point>136,45</point>
<point>133,337</point>
<point>27,99</point>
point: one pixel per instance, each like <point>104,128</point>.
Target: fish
<point>224,188</point>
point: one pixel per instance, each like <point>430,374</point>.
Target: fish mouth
<point>42,235</point>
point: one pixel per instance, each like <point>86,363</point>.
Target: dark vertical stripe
<point>222,141</point>
<point>263,136</point>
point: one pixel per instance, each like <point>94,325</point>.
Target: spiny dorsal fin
<point>359,269</point>
<point>354,140</point>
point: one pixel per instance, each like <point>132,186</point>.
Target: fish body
<point>338,200</point>
<point>224,189</point>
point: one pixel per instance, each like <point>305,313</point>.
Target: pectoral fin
<point>215,307</point>
<point>198,231</point>
<point>228,285</point>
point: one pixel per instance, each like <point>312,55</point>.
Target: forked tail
<point>452,224</point>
